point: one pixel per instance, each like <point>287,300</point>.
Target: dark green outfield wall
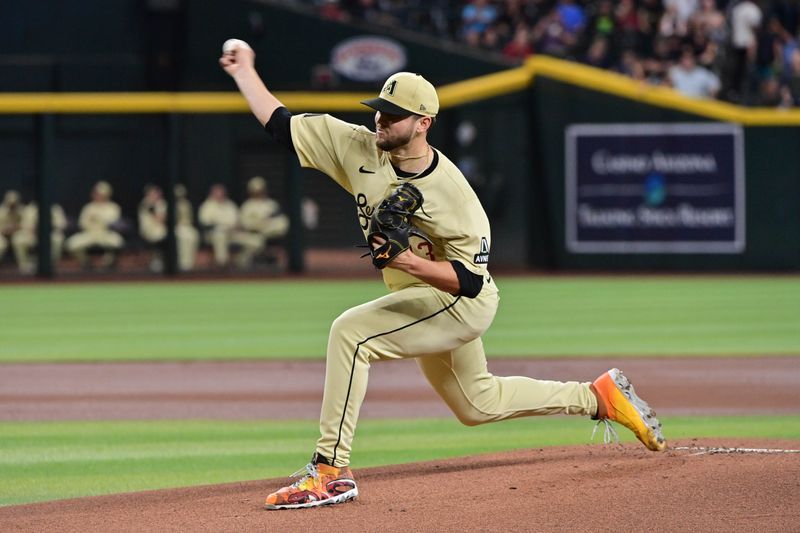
<point>772,178</point>
<point>515,160</point>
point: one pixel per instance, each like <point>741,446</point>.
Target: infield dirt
<point>583,489</point>
<point>579,488</point>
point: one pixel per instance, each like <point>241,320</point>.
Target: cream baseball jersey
<point>451,214</point>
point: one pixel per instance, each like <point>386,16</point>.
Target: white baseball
<point>232,44</point>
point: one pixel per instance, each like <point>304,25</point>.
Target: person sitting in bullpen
<point>25,239</point>
<point>261,218</point>
<point>97,221</point>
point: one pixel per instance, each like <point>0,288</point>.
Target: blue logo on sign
<point>655,190</point>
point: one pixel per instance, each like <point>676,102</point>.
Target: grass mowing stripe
<point>51,460</point>
<point>537,316</point>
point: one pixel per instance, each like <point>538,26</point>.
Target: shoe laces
<point>609,433</point>
<point>308,471</point>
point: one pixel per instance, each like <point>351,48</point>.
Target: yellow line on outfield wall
<point>624,87</point>
<point>452,95</point>
<point>200,102</point>
<point>484,87</point>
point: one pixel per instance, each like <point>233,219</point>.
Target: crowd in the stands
<point>741,51</point>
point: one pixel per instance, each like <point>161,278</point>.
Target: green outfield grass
<point>537,317</point>
<point>53,460</point>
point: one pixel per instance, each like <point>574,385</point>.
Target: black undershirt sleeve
<point>278,127</point>
<point>470,283</point>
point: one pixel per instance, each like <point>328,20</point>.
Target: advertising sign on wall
<point>368,58</point>
<point>655,188</point>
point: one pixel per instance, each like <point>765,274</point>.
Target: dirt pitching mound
<point>698,485</point>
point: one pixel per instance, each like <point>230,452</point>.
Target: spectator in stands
<point>745,20</point>
<point>520,46</point>
<point>706,51</point>
<point>655,30</point>
<point>769,93</point>
<point>153,229</point>
<point>681,11</point>
<point>219,218</point>
<point>476,16</point>
<point>490,40</point>
<point>514,13</point>
<point>26,238</point>
<point>791,80</point>
<point>669,24</point>
<point>603,21</point>
<point>366,10</point>
<point>625,23</point>
<point>98,221</point>
<point>572,16</point>
<point>573,23</point>
<point>709,21</point>
<point>261,220</point>
<point>784,43</point>
<point>665,52</point>
<point>598,55</point>
<point>630,65</point>
<point>692,80</point>
<point>330,9</point>
<point>787,12</point>
<point>550,37</point>
<point>649,14</point>
<point>10,218</point>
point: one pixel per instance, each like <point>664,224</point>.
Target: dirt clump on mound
<point>578,488</point>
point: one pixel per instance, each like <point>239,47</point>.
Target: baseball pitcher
<point>427,232</point>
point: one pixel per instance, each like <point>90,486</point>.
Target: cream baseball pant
<point>24,241</point>
<point>82,241</point>
<point>221,239</point>
<point>187,240</point>
<point>443,333</point>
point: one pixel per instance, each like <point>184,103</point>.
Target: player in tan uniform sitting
<point>442,298</point>
<point>10,218</point>
<point>261,219</point>
<point>26,239</point>
<point>187,235</point>
<point>219,217</point>
<point>97,221</point>
<point>153,228</point>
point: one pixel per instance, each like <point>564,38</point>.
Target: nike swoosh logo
<point>365,171</point>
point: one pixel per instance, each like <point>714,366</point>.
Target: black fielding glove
<point>391,228</point>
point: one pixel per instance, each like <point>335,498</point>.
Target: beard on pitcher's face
<point>389,143</point>
<point>392,131</point>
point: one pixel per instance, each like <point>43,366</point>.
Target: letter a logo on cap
<point>414,95</point>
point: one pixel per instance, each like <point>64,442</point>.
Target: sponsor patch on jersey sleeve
<point>482,257</point>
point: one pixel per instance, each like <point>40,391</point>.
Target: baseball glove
<point>390,226</point>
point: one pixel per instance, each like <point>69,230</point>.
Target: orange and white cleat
<point>622,405</point>
<point>320,485</point>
